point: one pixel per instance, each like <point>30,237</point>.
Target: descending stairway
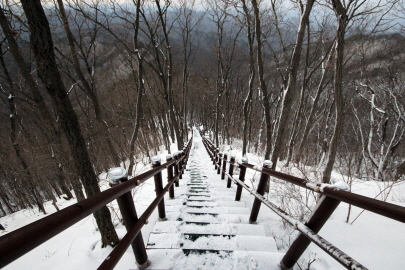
<point>206,227</point>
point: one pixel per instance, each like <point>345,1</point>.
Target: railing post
<point>159,188</point>
<point>224,166</point>
<point>219,163</point>
<point>188,149</point>
<point>181,168</point>
<point>213,151</point>
<point>216,155</point>
<point>176,168</point>
<point>231,164</point>
<point>264,178</point>
<point>129,215</point>
<point>323,210</point>
<point>242,174</point>
<point>185,158</point>
<point>170,176</point>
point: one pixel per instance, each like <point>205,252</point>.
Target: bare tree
<point>247,105</point>
<point>290,90</point>
<point>88,87</point>
<point>42,46</point>
<point>345,11</point>
<point>262,82</point>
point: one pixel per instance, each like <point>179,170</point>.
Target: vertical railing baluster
<point>159,188</point>
<point>212,153</point>
<point>216,162</point>
<point>242,174</point>
<point>176,168</point>
<point>129,215</point>
<point>224,166</point>
<point>231,165</point>
<point>170,176</point>
<point>264,178</point>
<point>180,165</point>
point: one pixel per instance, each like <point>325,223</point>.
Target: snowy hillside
<point>374,241</point>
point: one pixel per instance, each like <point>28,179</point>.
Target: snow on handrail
<point>19,242</point>
<point>386,209</point>
<point>338,192</point>
<point>332,250</point>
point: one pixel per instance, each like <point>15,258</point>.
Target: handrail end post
<point>324,209</point>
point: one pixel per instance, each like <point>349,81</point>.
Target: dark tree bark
<point>400,173</point>
<point>13,137</point>
<point>321,86</point>
<point>341,15</point>
<point>263,86</point>
<point>247,105</point>
<point>290,91</point>
<point>50,123</point>
<point>42,47</point>
<point>169,81</point>
<point>140,88</point>
<point>88,88</point>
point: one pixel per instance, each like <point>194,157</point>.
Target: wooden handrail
<point>19,242</point>
<point>330,199</point>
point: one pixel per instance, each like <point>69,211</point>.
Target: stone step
<point>165,259</point>
<point>218,242</point>
<point>199,199</point>
<point>207,228</point>
<point>217,210</point>
<point>171,202</point>
<point>195,197</point>
<point>229,229</point>
<point>213,218</point>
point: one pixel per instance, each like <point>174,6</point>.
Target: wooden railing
<point>19,242</point>
<point>331,196</point>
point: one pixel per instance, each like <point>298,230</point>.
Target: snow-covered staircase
<point>207,228</point>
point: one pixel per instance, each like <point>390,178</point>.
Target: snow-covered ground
<point>372,240</point>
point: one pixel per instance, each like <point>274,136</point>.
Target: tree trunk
<point>89,90</point>
<point>338,77</point>
<point>42,47</point>
<point>6,202</point>
<point>319,90</point>
<point>263,86</point>
<point>247,105</point>
<point>13,136</point>
<point>289,92</point>
<point>400,174</point>
<point>141,89</point>
<point>50,123</point>
<point>2,210</point>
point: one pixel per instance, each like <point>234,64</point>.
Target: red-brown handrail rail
<point>331,198</point>
<point>19,242</point>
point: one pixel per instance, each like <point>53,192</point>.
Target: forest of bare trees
<point>90,85</point>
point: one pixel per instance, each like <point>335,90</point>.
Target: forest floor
<point>374,241</point>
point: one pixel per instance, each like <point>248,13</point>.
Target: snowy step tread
<point>217,228</point>
<point>211,242</point>
<point>239,260</point>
